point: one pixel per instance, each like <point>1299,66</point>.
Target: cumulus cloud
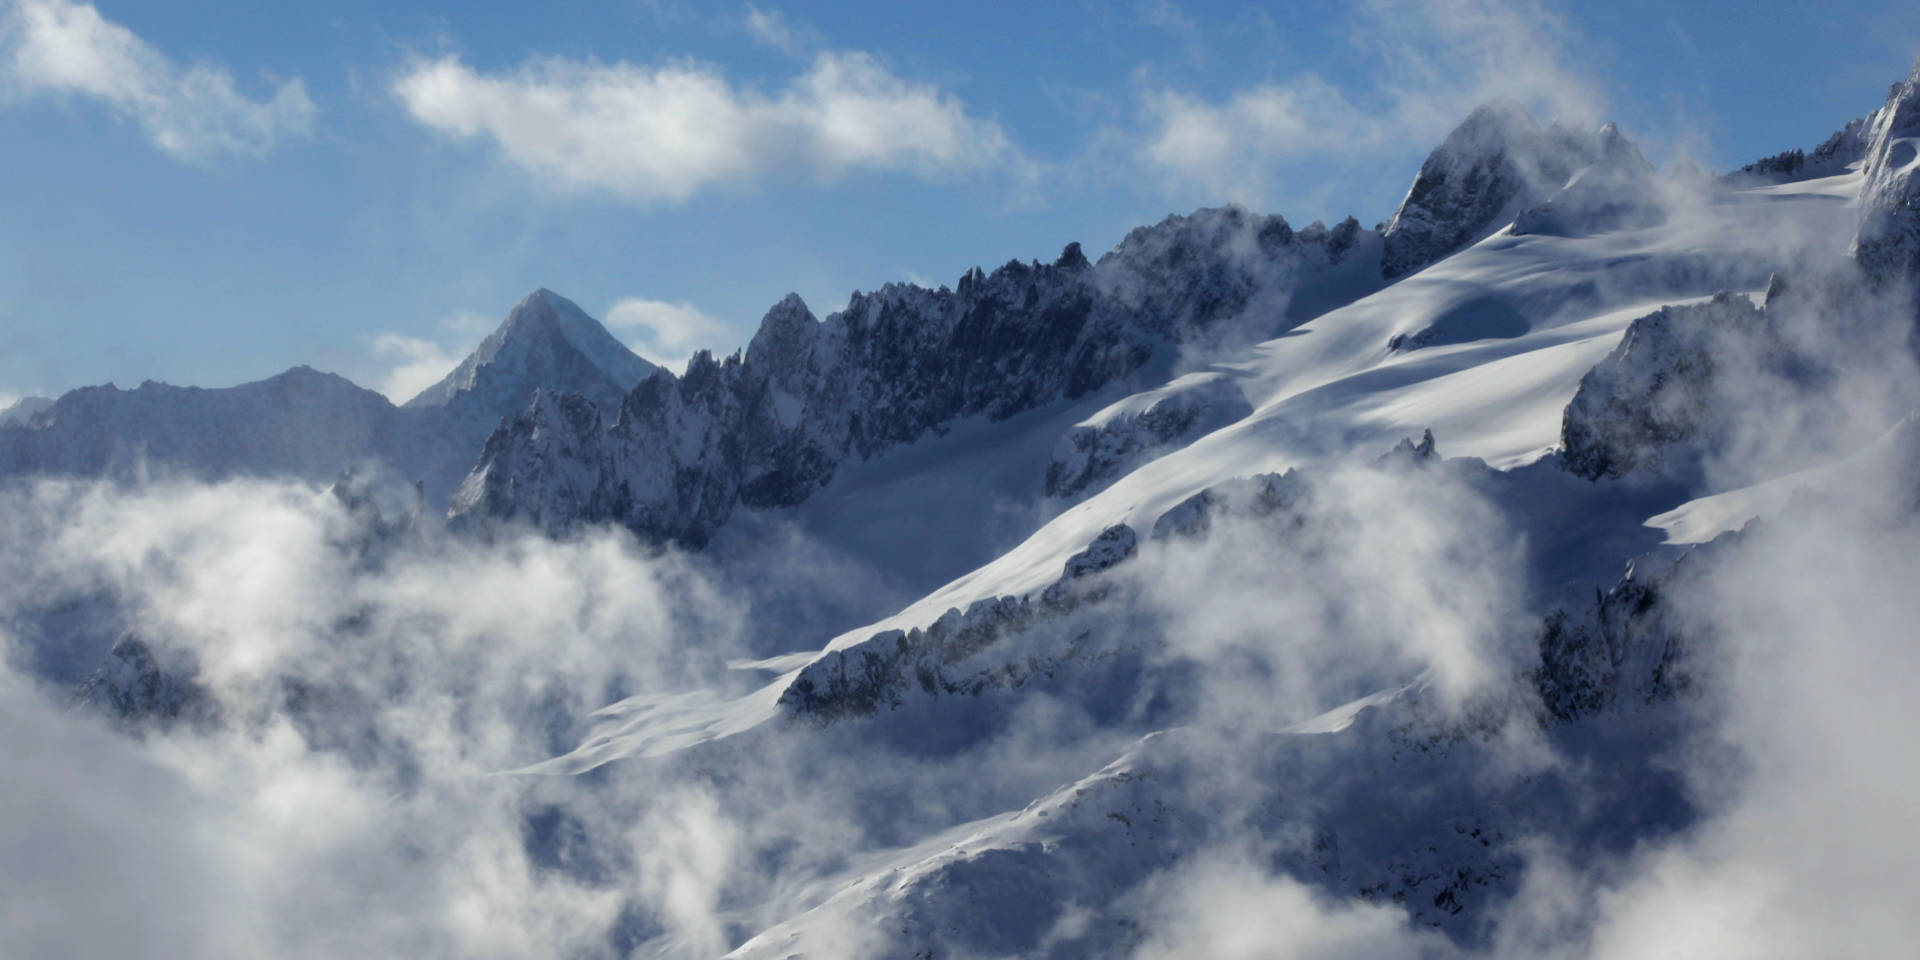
<point>666,333</point>
<point>1230,148</point>
<point>663,133</point>
<point>340,803</point>
<point>190,111</point>
<point>367,687</point>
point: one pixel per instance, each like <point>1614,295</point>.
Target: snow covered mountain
<point>546,343</point>
<point>23,409</point>
<point>313,425</point>
<point>1889,239</point>
<point>302,423</point>
<point>1594,357</point>
<point>1496,163</point>
<point>769,427</point>
<point>1454,589</point>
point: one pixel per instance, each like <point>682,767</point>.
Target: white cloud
<point>668,333</point>
<point>664,133</point>
<point>53,47</point>
<point>1228,910</point>
<point>1433,63</point>
<point>417,364</point>
<point>1230,148</point>
<point>770,28</point>
<point>410,364</point>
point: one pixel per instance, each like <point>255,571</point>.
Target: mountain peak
<point>784,333</point>
<point>546,341</point>
<point>1491,127</point>
<point>1888,242</point>
<point>1498,161</point>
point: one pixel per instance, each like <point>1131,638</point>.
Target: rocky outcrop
<point>1624,649</point>
<point>1887,246</point>
<point>1498,162</point>
<point>1114,441</point>
<point>136,690</point>
<point>1660,389</point>
<point>1833,156</point>
<point>1617,190</point>
<point>767,427</point>
<point>1008,641</point>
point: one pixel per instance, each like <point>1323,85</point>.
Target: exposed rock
<point>1659,388</point>
<point>1114,441</point>
<point>767,428</point>
<point>1496,163</point>
<point>1887,246</point>
<point>1846,147</point>
<point>1616,190</point>
<point>135,689</point>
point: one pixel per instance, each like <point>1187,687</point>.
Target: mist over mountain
<point>1528,576</point>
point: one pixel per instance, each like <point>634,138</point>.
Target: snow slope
<point>1297,546</point>
<point>1528,316</point>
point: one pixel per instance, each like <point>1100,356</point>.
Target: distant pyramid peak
<point>546,341</point>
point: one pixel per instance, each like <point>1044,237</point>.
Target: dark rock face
<point>1660,388</point>
<point>1071,627</point>
<point>1888,244</point>
<point>1847,145</point>
<point>1624,650</point>
<point>135,689</point>
<point>1095,454</point>
<point>768,427</point>
<point>1617,190</point>
<point>1497,162</point>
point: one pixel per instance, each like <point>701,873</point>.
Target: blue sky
<point>209,191</point>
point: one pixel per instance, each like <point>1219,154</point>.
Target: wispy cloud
<point>663,133</point>
<point>191,111</point>
<point>417,364</point>
<point>665,333</point>
<point>408,364</point>
<point>1230,148</point>
<point>1431,64</point>
<point>771,28</point>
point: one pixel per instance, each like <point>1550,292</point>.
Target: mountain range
<point>1478,469</point>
